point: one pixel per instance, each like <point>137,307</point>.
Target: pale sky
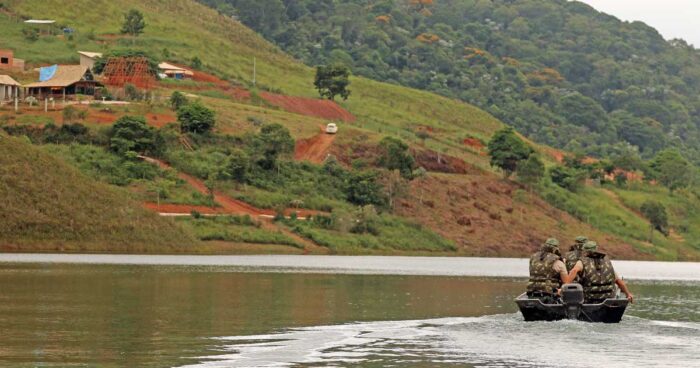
<point>672,18</point>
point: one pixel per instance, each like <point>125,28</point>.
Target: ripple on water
<point>489,341</point>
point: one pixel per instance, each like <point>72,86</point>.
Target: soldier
<point>597,275</point>
<point>574,253</point>
<point>547,272</point>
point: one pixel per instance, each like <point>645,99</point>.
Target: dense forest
<point>558,71</point>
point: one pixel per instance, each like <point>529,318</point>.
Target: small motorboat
<point>572,306</point>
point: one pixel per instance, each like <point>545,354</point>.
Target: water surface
<point>109,315</point>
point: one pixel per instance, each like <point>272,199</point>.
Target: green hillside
<point>48,205</point>
<point>181,30</point>
<point>557,70</point>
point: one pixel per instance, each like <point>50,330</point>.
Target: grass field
<point>49,204</point>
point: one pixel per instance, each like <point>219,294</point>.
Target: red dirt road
<point>324,109</point>
<point>314,149</point>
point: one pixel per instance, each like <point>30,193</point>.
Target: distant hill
<point>50,206</point>
<point>558,70</point>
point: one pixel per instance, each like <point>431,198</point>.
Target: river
<point>290,311</point>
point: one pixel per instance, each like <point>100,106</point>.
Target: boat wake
<point>489,341</point>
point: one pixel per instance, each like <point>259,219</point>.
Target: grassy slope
<point>50,205</point>
<point>188,29</point>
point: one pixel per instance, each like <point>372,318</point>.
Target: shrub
<point>196,63</point>
<point>196,118</point>
<point>363,189</point>
<point>568,178</point>
<point>366,221</point>
<point>30,34</point>
<point>655,212</point>
<point>177,100</point>
<point>273,141</point>
<point>396,156</point>
<point>132,93</point>
<point>131,134</point>
<point>69,114</point>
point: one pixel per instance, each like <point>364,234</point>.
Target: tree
<point>273,141</point>
<point>531,171</point>
<point>395,186</point>
<point>237,166</point>
<point>568,178</point>
<point>362,189</point>
<point>396,156</point>
<point>507,150</point>
<point>196,63</point>
<point>655,212</point>
<point>131,135</point>
<point>134,24</point>
<point>332,80</point>
<point>196,118</point>
<point>671,169</point>
<point>177,100</point>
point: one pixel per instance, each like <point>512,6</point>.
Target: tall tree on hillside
<point>507,150</point>
<point>196,118</point>
<point>130,136</point>
<point>655,212</point>
<point>134,24</point>
<point>332,80</point>
<point>273,141</point>
<point>671,169</point>
<point>396,156</point>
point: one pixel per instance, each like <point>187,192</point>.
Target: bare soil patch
<point>324,109</point>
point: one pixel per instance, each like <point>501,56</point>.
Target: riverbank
<point>361,265</point>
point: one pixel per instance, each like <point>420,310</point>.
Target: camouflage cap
<point>590,246</point>
<point>581,239</point>
<point>552,242</point>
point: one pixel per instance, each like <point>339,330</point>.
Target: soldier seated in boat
<point>574,253</point>
<point>597,275</point>
<point>547,273</point>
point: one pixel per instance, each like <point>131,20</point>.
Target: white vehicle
<point>331,128</point>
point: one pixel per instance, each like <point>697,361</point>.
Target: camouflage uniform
<point>544,279</point>
<point>574,254</point>
<point>598,276</point>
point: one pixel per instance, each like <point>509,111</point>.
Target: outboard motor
<point>572,297</point>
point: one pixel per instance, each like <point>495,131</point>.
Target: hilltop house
<point>9,88</point>
<point>8,60</point>
<point>88,59</point>
<point>173,71</point>
<point>63,81</point>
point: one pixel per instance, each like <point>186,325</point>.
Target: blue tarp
<point>47,72</point>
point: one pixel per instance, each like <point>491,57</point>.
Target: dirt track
<point>314,149</point>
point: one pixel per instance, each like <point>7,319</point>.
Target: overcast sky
<point>672,18</point>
